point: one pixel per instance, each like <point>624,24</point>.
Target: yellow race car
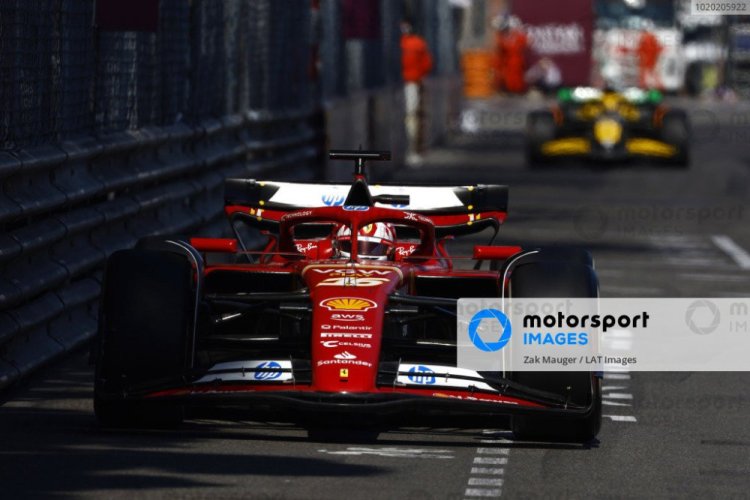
<point>608,126</point>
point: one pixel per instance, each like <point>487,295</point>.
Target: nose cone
<point>348,309</point>
<point>607,132</point>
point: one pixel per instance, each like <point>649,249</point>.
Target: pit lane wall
<point>108,135</point>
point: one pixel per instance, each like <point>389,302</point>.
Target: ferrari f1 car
<point>606,125</point>
<point>348,307</point>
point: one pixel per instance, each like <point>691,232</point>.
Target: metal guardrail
<point>67,207</point>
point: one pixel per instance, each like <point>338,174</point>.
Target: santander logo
<point>345,355</point>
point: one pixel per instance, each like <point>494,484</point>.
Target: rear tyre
<point>540,128</point>
<point>564,272</point>
<point>676,131</point>
<point>146,317</point>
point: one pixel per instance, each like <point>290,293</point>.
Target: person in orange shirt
<point>515,44</point>
<point>416,63</point>
<point>510,56</point>
<point>649,50</point>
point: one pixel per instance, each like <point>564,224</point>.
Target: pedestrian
<point>649,50</point>
<point>416,63</point>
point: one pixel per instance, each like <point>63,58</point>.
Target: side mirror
<point>222,245</point>
<point>486,252</point>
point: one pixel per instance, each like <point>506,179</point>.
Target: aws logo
<point>348,304</point>
<point>347,317</point>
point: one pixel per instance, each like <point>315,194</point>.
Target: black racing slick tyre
<point>146,316</point>
<point>564,272</point>
<point>675,130</point>
<point>540,128</point>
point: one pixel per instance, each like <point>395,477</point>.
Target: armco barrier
<point>67,207</point>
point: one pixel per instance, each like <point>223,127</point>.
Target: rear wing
<point>452,209</point>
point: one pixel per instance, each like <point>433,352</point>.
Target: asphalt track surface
<point>664,435</point>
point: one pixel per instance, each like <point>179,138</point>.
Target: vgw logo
<point>271,370</point>
<point>485,343</point>
<point>421,375</point>
<point>333,200</point>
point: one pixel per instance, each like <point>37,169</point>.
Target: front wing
<point>436,390</point>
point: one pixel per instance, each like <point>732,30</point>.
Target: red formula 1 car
<point>348,307</point>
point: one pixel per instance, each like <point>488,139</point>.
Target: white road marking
<point>490,460</point>
<point>498,471</point>
<point>716,277</point>
<point>613,403</point>
<point>482,492</point>
<point>493,451</point>
<point>616,376</point>
<point>392,452</point>
<point>618,395</point>
<point>485,481</point>
<point>621,418</point>
<point>738,254</point>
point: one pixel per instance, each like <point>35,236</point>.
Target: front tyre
<point>676,132</point>
<point>563,272</point>
<point>146,312</point>
<point>540,128</point>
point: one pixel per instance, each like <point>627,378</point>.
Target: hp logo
<point>421,375</point>
<point>489,345</point>
<point>333,200</point>
<point>268,375</point>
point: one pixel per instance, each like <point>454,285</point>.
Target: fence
<point>110,136</point>
<point>107,137</point>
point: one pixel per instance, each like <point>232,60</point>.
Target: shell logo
<point>348,304</point>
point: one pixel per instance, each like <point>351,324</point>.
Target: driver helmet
<point>375,241</point>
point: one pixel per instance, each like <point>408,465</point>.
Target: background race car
<point>607,125</point>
